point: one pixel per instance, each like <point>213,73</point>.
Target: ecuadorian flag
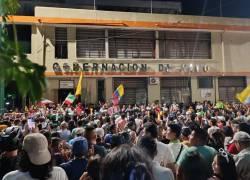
<point>119,92</point>
<point>244,96</point>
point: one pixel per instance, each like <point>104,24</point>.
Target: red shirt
<point>232,149</point>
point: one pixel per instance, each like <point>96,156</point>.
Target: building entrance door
<point>63,93</point>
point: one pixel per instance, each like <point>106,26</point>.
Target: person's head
<point>90,134</point>
<point>9,139</point>
<point>36,158</point>
<point>148,145</point>
<point>93,167</point>
<point>100,134</point>
<point>55,142</point>
<point>198,137</point>
<point>112,129</point>
<point>235,125</point>
<point>64,125</point>
<point>79,147</point>
<point>193,167</point>
<point>217,140</point>
<point>227,131</point>
<point>123,116</point>
<point>126,162</point>
<point>213,122</point>
<point>150,129</point>
<point>173,132</point>
<point>185,132</point>
<point>244,127</point>
<point>241,140</point>
<point>133,136</point>
<point>224,166</point>
<point>116,140</point>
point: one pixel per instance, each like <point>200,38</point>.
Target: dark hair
<point>216,140</point>
<point>116,140</point>
<point>126,162</point>
<point>93,167</point>
<point>186,131</point>
<point>227,169</point>
<point>47,134</point>
<point>151,128</point>
<point>111,128</point>
<point>227,131</point>
<point>80,123</point>
<point>88,130</point>
<point>126,137</point>
<point>213,121</point>
<point>244,127</point>
<point>193,167</point>
<point>71,125</point>
<point>123,116</point>
<point>148,145</point>
<point>40,172</point>
<point>175,128</point>
<point>201,134</point>
<point>55,141</point>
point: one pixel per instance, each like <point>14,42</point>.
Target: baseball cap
<point>36,145</point>
<point>79,146</point>
<point>241,136</point>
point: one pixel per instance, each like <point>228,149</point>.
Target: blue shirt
<point>75,168</point>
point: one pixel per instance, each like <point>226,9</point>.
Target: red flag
<point>115,100</point>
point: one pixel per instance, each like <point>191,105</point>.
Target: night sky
<point>230,8</point>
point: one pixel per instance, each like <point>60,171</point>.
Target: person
<point>9,144</point>
<point>75,167</point>
<point>242,159</point>
<point>56,152</point>
<point>64,132</point>
<point>149,146</point>
<point>36,161</point>
<point>93,168</point>
<point>91,136</point>
<point>193,167</point>
<point>216,140</point>
<point>164,155</point>
<point>223,166</point>
<point>121,123</point>
<point>213,127</point>
<point>198,140</point>
<point>173,134</point>
<point>126,162</point>
<point>185,132</point>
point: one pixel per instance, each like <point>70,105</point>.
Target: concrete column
<point>108,89</point>
<point>248,80</point>
<point>154,92</point>
<point>93,90</point>
<point>157,49</point>
<point>216,89</point>
<point>194,89</point>
<point>71,35</point>
<point>106,44</point>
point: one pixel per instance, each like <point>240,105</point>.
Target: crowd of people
<point>198,141</point>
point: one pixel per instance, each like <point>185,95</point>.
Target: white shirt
<point>164,154</point>
<point>175,149</point>
<point>138,123</point>
<point>161,173</point>
<point>242,162</point>
<point>57,174</point>
<point>212,130</point>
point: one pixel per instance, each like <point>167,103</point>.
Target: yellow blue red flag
<point>244,96</point>
<point>119,92</point>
